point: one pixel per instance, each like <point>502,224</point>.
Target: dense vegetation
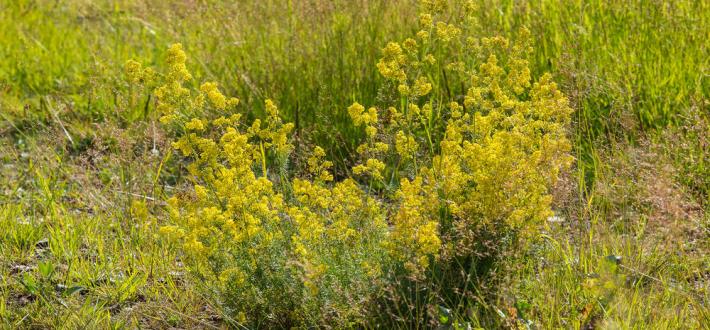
<point>396,164</point>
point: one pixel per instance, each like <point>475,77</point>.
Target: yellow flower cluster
<point>173,98</point>
<point>176,102</point>
<point>216,98</point>
<point>372,167</point>
<point>391,64</point>
<point>415,234</point>
<point>421,86</point>
<point>425,19</point>
<point>318,166</point>
<point>258,241</point>
<point>239,218</point>
<point>339,229</point>
<point>195,124</point>
<point>405,145</point>
<point>490,161</point>
<point>137,74</point>
<point>440,169</point>
<point>274,135</point>
<point>447,32</point>
<point>433,6</point>
<point>359,116</point>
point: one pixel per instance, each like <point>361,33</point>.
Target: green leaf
<point>73,290</point>
<point>46,269</point>
<point>29,283</point>
<point>444,315</point>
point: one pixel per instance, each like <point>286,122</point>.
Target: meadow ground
<point>89,169</point>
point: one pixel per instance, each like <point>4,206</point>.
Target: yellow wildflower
<point>195,125</point>
<point>422,86</point>
<point>217,99</point>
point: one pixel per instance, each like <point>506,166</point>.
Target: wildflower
<point>433,6</point>
<point>414,109</point>
<point>410,44</point>
<point>217,99</point>
<point>271,109</point>
<point>370,117</point>
<point>391,65</point>
<point>394,115</point>
<point>172,96</point>
<point>184,145</point>
<point>356,110</point>
<point>421,86</point>
<point>148,75</point>
<point>425,19</point>
<point>373,167</point>
<point>195,125</point>
<point>447,32</point>
<point>371,131</point>
<point>423,35</point>
<point>318,166</point>
<point>177,70</point>
<point>134,71</point>
<point>381,147</point>
<point>496,41</point>
<point>414,235</point>
<point>200,192</point>
<point>405,145</point>
<point>491,160</point>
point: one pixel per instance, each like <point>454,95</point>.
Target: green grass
<point>641,59</point>
<point>77,152</point>
<point>78,258</point>
<point>655,227</point>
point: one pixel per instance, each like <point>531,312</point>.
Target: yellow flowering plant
<point>486,142</point>
<point>278,251</point>
<point>454,169</point>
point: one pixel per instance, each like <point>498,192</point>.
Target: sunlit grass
<point>79,147</point>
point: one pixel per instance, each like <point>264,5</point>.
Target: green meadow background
<point>77,150</point>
